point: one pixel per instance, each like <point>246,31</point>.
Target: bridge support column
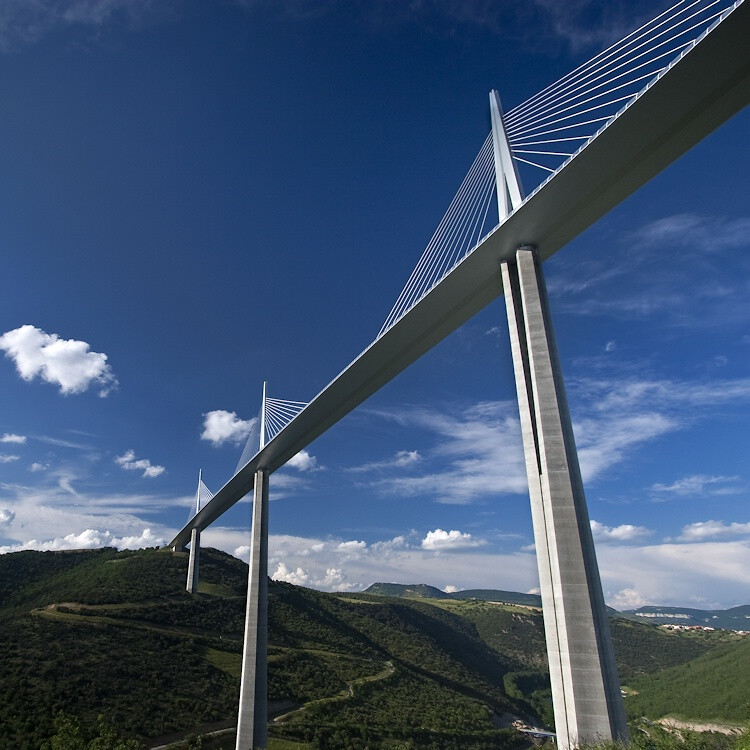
<point>195,553</point>
<point>585,687</point>
<point>252,719</point>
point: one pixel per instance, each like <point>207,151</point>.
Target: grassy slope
<point>715,686</point>
<point>123,637</point>
<point>113,632</point>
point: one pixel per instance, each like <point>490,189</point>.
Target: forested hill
<point>115,633</point>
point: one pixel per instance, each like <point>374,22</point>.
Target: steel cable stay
<point>202,496</point>
<point>520,140</point>
<point>576,74</point>
<point>455,235</point>
<point>516,118</point>
<point>527,127</point>
<point>518,131</point>
<point>455,241</point>
<point>606,59</point>
<point>559,111</point>
<point>279,413</point>
<point>438,240</point>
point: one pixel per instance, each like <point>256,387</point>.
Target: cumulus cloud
<point>448,540</point>
<point>700,530</point>
<point>8,458</point>
<point>36,466</point>
<point>129,462</point>
<point>623,533</point>
<point>450,589</point>
<point>90,539</point>
<point>710,573</point>
<point>298,577</point>
<point>352,565</point>
<point>303,461</point>
<point>68,363</point>
<point>6,517</point>
<point>10,437</point>
<point>220,426</point>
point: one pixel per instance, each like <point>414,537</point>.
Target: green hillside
<point>413,591</point>
<point>713,687</point>
<point>495,595</point>
<point>114,633</point>
<point>423,591</point>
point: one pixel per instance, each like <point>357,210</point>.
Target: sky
<point>197,197</point>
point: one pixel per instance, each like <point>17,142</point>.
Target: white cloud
<point>353,565</point>
<point>10,437</point>
<point>242,552</point>
<point>298,577</point>
<point>698,485</point>
<point>699,234</point>
<point>64,362</point>
<point>7,458</point>
<point>220,426</point>
<point>53,509</point>
<point>450,589</point>
<point>449,540</point>
<point>90,539</point>
<point>303,461</point>
<point>701,574</point>
<point>623,533</point>
<point>129,462</point>
<point>701,530</point>
<point>398,461</point>
<point>605,440</point>
<point>27,21</point>
<point>6,517</point>
<point>629,599</point>
<point>689,247</point>
<point>478,450</point>
<point>36,466</point>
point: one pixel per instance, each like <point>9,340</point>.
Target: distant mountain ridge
<point>425,591</point>
<point>735,618</point>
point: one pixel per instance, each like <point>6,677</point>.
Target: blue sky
<point>197,197</point>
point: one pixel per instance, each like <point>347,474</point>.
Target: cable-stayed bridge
<point>593,137</point>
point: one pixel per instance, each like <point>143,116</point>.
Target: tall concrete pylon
<point>585,687</point>
<point>252,717</point>
<point>193,561</point>
<point>195,544</point>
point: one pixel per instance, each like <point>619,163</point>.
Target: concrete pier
<point>585,686</point>
<point>193,561</point>
<point>252,719</point>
